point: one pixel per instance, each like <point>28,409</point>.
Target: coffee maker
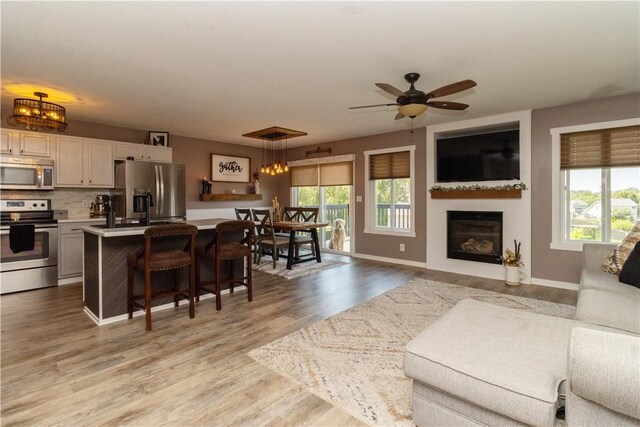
<point>142,203</point>
<point>101,206</point>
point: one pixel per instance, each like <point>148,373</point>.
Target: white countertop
<point>81,219</point>
<point>202,224</point>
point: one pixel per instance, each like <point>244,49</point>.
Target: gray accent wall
<point>195,154</point>
<point>378,245</point>
<point>549,264</point>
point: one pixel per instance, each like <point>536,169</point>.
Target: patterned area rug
<point>354,359</point>
<point>298,270</point>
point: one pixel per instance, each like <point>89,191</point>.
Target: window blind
<point>390,165</point>
<point>304,176</point>
<point>600,148</point>
<point>324,174</point>
<point>336,174</point>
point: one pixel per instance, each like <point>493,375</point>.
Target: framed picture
<point>159,138</point>
<point>230,168</point>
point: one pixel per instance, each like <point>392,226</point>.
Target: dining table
<point>293,227</point>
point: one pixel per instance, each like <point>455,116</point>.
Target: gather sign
<point>230,168</point>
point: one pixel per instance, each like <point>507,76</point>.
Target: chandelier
<point>274,148</point>
<point>38,114</point>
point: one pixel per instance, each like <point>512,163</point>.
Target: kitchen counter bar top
<point>134,230</point>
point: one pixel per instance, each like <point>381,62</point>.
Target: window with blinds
<point>601,148</point>
<point>324,175</point>
<point>390,165</point>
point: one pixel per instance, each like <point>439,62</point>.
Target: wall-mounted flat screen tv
<point>493,156</point>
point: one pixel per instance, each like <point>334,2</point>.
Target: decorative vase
<point>513,275</point>
<point>256,186</point>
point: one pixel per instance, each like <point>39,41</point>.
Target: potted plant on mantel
<point>512,263</point>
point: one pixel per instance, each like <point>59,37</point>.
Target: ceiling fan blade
<point>452,88</point>
<point>448,105</point>
<point>368,106</point>
<point>399,116</point>
<point>390,89</point>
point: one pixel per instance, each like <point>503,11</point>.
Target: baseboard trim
<point>138,313</point>
<point>554,284</point>
<point>70,280</point>
<point>390,260</point>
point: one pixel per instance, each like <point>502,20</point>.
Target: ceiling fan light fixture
<point>412,110</point>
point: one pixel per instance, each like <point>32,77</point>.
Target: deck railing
<point>402,215</point>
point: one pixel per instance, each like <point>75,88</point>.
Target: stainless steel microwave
<point>18,173</point>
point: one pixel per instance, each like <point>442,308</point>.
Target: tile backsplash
<point>74,200</point>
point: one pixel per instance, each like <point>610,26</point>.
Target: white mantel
<point>516,212</point>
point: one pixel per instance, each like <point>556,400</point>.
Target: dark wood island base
<point>105,269</point>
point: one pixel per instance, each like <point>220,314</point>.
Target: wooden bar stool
<point>233,241</point>
<point>148,260</point>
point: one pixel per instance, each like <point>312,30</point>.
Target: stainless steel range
<point>28,245</point>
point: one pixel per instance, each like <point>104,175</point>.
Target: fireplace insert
<point>474,236</point>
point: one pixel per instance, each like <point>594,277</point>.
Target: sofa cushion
<point>611,309</point>
<point>507,360</point>
<point>630,273</point>
<point>614,262</point>
<point>610,378</point>
<point>595,278</point>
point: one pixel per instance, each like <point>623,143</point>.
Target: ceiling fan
<point>414,102</point>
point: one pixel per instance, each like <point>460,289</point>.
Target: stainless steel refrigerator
<point>165,182</point>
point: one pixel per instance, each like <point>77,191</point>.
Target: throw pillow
<point>614,262</point>
<point>630,273</point>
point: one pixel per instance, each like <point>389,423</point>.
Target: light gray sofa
<point>602,299</point>
<point>482,364</point>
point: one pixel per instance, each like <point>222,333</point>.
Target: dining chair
<point>243,214</point>
<point>149,259</point>
<point>302,214</point>
<point>267,237</point>
<point>233,241</point>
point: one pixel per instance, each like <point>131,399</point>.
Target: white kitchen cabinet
<point>6,145</point>
<point>82,162</point>
<point>70,244</point>
<point>148,153</point>
<point>28,144</point>
<point>159,154</point>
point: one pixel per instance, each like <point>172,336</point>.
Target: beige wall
<point>377,244</point>
<point>548,264</point>
<point>558,265</point>
<point>196,155</point>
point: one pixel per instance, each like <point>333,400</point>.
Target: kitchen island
<point>105,268</point>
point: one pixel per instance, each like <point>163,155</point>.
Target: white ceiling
<point>216,70</point>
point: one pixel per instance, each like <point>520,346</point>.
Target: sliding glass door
<point>334,208</point>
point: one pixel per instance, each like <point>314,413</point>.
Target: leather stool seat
<point>167,260</point>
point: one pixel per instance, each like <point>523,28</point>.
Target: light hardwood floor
<point>58,367</point>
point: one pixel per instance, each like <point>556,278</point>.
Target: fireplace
<point>474,236</point>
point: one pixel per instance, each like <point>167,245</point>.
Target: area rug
<point>298,270</point>
<point>354,359</point>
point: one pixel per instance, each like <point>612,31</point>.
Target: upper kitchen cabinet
<point>83,162</point>
<point>147,153</point>
<point>28,144</point>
